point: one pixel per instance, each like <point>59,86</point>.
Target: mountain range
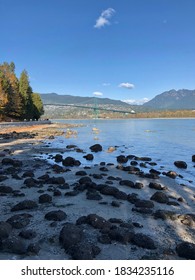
<point>182,99</point>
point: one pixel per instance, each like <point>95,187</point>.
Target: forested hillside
<point>17,100</point>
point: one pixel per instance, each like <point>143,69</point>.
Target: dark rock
<point>173,203</point>
<point>85,180</point>
<point>5,230</point>
<point>151,176</point>
<point>44,178</point>
<point>193,158</point>
<point>5,189</point>
<point>154,171</point>
<point>28,234</point>
<point>96,148</point>
<point>84,251</point>
<point>89,157</point>
<point>104,239</point>
<point>108,190</point>
<point>165,215</point>
<point>143,158</point>
<point>144,204</point>
<point>127,225</point>
<point>186,250</point>
<point>121,195</point>
<point>45,198</point>
<point>156,186</point>
<point>58,169</point>
<point>31,182</point>
<point>137,225</point>
<point>132,198</point>
<point>28,174</point>
<point>33,249</point>
<point>70,161</point>
<point>160,197</point>
<point>131,169</point>
<point>56,180</point>
<point>58,158</point>
<point>19,221</point>
<point>57,192</point>
<point>56,215</point>
<point>14,245</point>
<point>142,210</point>
<point>3,178</point>
<point>23,205</point>
<point>127,183</point>
<point>93,195</point>
<point>122,159</point>
<point>81,173</point>
<point>71,146</point>
<point>122,235</point>
<point>115,203</point>
<point>81,220</point>
<point>70,235</point>
<point>104,169</point>
<point>138,185</point>
<point>97,176</point>
<point>144,241</point>
<point>115,220</point>
<point>10,161</point>
<point>97,221</point>
<point>171,174</point>
<point>72,193</point>
<point>181,164</point>
<point>134,163</point>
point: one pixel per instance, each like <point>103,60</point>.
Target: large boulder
<point>70,161</point>
<point>181,164</point>
<point>160,197</point>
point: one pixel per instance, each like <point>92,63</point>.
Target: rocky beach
<point>66,210</point>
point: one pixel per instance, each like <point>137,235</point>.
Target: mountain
<point>173,100</point>
<point>54,98</point>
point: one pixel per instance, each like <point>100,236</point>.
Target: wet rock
<point>57,192</point>
<point>132,198</point>
<point>144,204</point>
<point>142,210</point>
<point>31,182</point>
<point>6,189</point>
<point>143,158</point>
<point>81,173</point>
<point>171,174</point>
<point>19,221</point>
<point>97,176</point>
<point>173,203</point>
<point>70,161</point>
<point>165,215</point>
<point>13,162</point>
<point>81,220</point>
<point>93,195</point>
<point>98,222</point>
<point>144,241</point>
<point>104,169</point>
<point>96,148</point>
<point>122,235</point>
<point>14,245</point>
<point>134,163</point>
<point>44,178</point>
<point>28,174</point>
<point>56,180</point>
<point>70,235</point>
<point>72,193</point>
<point>121,195</point>
<point>138,185</point>
<point>3,178</point>
<point>104,239</point>
<point>58,169</point>
<point>89,157</point>
<point>56,215</point>
<point>25,204</point>
<point>45,198</point>
<point>84,251</point>
<point>181,164</point>
<point>108,190</point>
<point>156,186</point>
<point>33,249</point>
<point>160,197</point>
<point>71,146</point>
<point>186,250</point>
<point>85,180</point>
<point>193,158</point>
<point>5,230</point>
<point>115,203</point>
<point>115,220</point>
<point>127,183</point>
<point>58,158</point>
<point>131,169</point>
<point>28,234</point>
<point>122,159</point>
<point>154,171</point>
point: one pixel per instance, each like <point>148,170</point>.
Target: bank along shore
<point>66,210</point>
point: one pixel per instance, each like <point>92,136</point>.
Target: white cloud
<point>104,18</point>
<point>136,101</point>
<point>127,85</point>
<point>97,93</point>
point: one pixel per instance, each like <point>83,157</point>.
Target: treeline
<point>17,100</point>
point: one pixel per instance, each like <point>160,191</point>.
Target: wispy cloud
<point>126,85</point>
<point>97,93</point>
<point>106,84</point>
<point>136,101</point>
<point>104,18</point>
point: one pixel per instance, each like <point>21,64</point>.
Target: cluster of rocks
<point>18,237</point>
<point>17,135</point>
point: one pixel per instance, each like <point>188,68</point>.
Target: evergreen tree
<point>26,92</point>
<point>37,106</point>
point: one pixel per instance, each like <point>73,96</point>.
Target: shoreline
<point>126,218</point>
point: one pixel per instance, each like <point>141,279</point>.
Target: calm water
<point>163,140</point>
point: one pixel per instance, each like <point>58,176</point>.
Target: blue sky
<point>122,49</point>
